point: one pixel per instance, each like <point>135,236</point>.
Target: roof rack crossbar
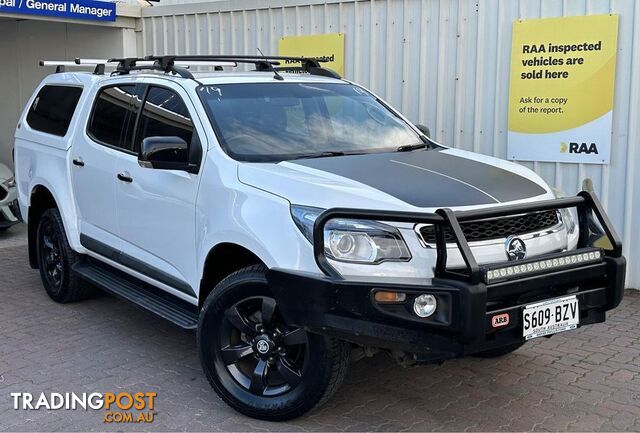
<point>310,65</point>
<point>127,64</point>
<point>325,72</point>
<point>179,64</point>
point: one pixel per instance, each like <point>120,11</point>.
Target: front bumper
<point>347,309</point>
<point>467,301</point>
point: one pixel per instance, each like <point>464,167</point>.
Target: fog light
<point>425,305</point>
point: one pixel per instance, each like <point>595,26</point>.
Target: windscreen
<point>282,121</point>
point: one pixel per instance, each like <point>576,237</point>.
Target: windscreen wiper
<point>410,147</point>
<point>324,154</point>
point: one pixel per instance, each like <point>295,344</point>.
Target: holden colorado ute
<point>296,221</point>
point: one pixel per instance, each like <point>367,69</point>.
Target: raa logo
<point>573,147</point>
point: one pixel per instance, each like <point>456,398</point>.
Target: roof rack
<point>180,64</point>
<point>128,64</point>
<point>120,67</point>
<point>310,65</point>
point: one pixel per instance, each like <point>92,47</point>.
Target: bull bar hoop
<point>586,204</point>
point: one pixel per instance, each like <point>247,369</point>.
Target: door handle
<point>78,161</point>
<point>125,177</point>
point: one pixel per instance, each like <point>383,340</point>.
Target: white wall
<point>25,42</point>
<point>444,63</point>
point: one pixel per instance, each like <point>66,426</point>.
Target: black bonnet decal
<point>430,178</point>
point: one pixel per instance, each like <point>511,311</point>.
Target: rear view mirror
<point>425,130</point>
<point>165,153</point>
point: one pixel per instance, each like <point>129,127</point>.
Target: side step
<point>139,293</point>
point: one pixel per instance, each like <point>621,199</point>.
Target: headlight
<point>354,241</point>
<point>567,215</point>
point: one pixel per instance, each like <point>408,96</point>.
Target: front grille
<point>3,193</point>
<point>497,228</point>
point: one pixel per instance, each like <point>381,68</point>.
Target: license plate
<point>549,317</point>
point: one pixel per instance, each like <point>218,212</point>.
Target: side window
<point>164,114</point>
<point>53,108</point>
<point>114,114</point>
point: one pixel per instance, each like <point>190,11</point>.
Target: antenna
<point>276,75</point>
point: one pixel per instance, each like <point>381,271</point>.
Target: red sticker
<point>500,320</point>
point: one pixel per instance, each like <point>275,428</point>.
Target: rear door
<point>156,208</point>
<point>94,155</point>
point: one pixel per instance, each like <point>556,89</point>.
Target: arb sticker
<point>500,320</point>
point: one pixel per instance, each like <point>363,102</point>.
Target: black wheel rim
<point>263,355</point>
<point>51,254</point>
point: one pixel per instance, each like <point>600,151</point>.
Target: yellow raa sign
<point>561,88</point>
<point>328,46</point>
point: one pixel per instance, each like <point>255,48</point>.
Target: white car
<point>296,220</point>
<point>9,210</point>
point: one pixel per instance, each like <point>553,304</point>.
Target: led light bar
<point>543,265</point>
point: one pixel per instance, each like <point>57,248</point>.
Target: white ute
<point>296,220</point>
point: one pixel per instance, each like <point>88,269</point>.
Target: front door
<point>156,208</point>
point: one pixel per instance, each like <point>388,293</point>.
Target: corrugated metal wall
<point>25,42</point>
<point>444,63</point>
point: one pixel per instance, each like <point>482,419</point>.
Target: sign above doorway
<point>70,9</point>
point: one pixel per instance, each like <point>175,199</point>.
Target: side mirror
<point>424,130</point>
<point>165,153</point>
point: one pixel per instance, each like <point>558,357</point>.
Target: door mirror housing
<point>166,153</point>
<point>425,130</point>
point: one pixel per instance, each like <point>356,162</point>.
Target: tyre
<point>501,351</point>
<point>258,364</point>
<point>3,229</point>
<point>55,259</point>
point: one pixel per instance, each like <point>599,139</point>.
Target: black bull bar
<point>585,203</point>
<point>344,307</point>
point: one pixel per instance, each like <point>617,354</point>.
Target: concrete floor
<point>14,236</point>
<point>585,380</point>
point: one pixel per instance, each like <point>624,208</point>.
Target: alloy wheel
<point>51,253</point>
<point>262,353</point>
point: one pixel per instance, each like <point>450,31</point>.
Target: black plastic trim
<point>134,264</point>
